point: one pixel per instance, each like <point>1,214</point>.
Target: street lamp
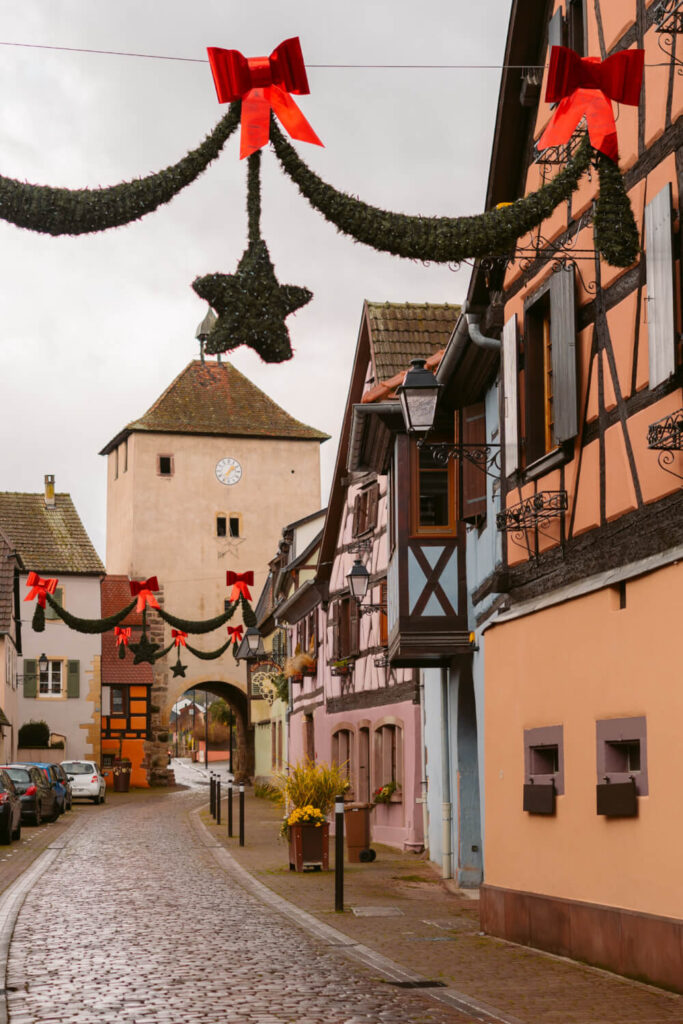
<point>251,646</point>
<point>418,395</point>
<point>43,663</point>
<point>359,580</point>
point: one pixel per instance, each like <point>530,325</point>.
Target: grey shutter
<point>473,478</point>
<point>563,352</point>
<point>73,679</point>
<point>660,287</point>
<point>556,29</point>
<point>30,677</point>
<point>510,400</point>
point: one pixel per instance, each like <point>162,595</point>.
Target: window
<point>365,510</point>
<point>50,681</point>
<point>364,764</point>
<point>342,744</point>
<point>165,465</point>
<point>221,526</point>
<point>383,620</point>
<point>234,526</point>
<point>622,752</point>
<point>388,756</point>
<point>58,598</point>
<point>118,701</point>
<point>576,20</point>
<point>432,495</point>
<point>473,496</point>
<point>550,393</point>
<point>115,453</point>
<point>544,757</point>
<point>108,760</point>
<point>124,452</point>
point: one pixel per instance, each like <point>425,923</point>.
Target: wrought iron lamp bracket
<point>666,437</point>
<point>365,609</point>
<point>668,23</point>
<point>533,511</point>
<point>484,456</point>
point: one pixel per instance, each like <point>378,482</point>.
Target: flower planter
<point>309,847</point>
<point>121,774</point>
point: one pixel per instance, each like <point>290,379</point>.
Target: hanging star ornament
<point>144,650</point>
<point>179,669</point>
<point>251,305</point>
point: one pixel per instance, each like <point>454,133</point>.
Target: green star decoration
<point>179,669</point>
<point>144,650</point>
<point>251,306</point>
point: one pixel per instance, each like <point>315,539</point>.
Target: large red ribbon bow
<point>263,84</point>
<point>39,588</point>
<point>583,87</point>
<point>235,633</point>
<point>143,592</point>
<point>240,583</point>
<point>180,637</point>
<point>122,634</point>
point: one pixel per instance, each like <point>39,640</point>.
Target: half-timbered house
<point>582,662</point>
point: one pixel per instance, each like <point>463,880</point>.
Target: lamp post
<point>359,581</point>
<point>206,729</point>
<point>418,395</point>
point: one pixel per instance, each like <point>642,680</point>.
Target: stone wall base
<point>637,945</point>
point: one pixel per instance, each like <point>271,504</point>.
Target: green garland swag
<point>209,655</point>
<point>84,625</point>
<point>64,211</point>
<point>198,626</point>
<point>451,239</point>
<point>248,614</point>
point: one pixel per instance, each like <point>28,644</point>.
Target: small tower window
<point>234,526</point>
<point>220,526</point>
<point>165,465</point>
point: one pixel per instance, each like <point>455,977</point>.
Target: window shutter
<point>510,399</point>
<point>30,677</point>
<point>659,261</point>
<point>473,478</point>
<point>355,528</point>
<point>336,639</point>
<point>106,701</point>
<point>354,623</point>
<point>73,679</point>
<point>373,503</point>
<point>556,29</point>
<point>563,353</point>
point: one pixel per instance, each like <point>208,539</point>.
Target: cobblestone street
<point>136,923</point>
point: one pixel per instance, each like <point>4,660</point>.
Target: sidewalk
<point>429,929</point>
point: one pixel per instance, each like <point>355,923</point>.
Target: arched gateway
<point>236,698</point>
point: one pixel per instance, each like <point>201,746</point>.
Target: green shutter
<point>73,679</point>
<point>30,677</point>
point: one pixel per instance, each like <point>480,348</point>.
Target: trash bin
<point>357,828</point>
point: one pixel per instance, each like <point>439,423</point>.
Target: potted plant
<point>308,790</point>
<point>342,667</point>
<point>121,770</point>
<point>300,665</point>
<point>384,794</point>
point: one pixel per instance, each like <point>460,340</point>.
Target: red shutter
<point>473,478</point>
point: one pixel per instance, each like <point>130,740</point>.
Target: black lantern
<point>253,638</point>
<point>43,663</point>
<point>418,394</point>
<point>359,580</point>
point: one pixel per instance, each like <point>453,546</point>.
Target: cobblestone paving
<point>136,924</point>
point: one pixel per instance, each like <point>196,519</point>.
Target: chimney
<point>49,491</point>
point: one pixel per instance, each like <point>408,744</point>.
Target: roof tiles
<point>48,540</point>
<point>401,331</point>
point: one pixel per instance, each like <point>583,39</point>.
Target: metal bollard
<point>241,814</point>
<point>211,794</point>
<point>230,809</point>
<point>218,800</point>
<point>339,853</point>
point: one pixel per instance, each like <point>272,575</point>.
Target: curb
<point>389,970</point>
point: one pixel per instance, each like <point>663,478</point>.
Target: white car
<point>87,781</point>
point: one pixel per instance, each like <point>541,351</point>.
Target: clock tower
<point>202,483</point>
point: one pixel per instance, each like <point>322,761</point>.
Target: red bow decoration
<point>235,632</point>
<point>40,588</point>
<point>240,583</point>
<point>122,634</point>
<point>144,594</point>
<point>180,637</point>
<point>584,86</point>
<point>263,84</point>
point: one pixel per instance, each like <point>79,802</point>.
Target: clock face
<point>228,471</point>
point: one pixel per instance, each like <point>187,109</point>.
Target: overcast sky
<point>92,329</point>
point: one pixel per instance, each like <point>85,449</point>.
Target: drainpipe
<point>473,321</point>
<point>446,805</point>
<point>423,783</point>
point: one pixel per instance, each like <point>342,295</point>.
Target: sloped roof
<point>115,591</point>
<point>215,398</point>
<point>48,540</point>
<point>7,564</point>
<point>401,331</point>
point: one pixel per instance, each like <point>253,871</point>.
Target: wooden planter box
<point>309,847</point>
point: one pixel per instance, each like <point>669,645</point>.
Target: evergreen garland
<point>38,622</point>
<point>64,211</point>
<point>451,239</point>
<point>616,233</point>
<point>209,655</point>
<point>88,625</point>
<point>198,626</point>
<point>248,615</point>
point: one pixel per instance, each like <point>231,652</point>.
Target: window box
<point>617,799</point>
<point>539,798</point>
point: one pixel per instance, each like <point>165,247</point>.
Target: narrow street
<point>134,922</point>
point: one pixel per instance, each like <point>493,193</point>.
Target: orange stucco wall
<point>570,665</point>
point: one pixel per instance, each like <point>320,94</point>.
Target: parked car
<point>66,783</point>
<point>49,771</point>
<point>10,810</point>
<point>87,781</point>
<point>38,800</point>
